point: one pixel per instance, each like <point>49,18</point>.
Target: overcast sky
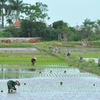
<point>74,12</point>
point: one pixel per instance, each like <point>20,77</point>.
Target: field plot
<point>49,79</point>
<point>60,84</point>
<point>22,59</point>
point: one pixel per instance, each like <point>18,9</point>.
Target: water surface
<point>45,84</point>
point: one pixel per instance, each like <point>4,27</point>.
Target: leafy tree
<point>15,8</point>
<point>11,30</point>
<point>97,27</point>
<point>32,29</point>
<point>26,28</point>
<point>75,37</point>
<point>50,34</point>
<point>35,12</point>
<point>2,8</point>
<point>38,29</point>
<point>5,34</point>
<point>64,31</point>
<point>59,24</point>
<point>87,29</point>
<point>43,10</point>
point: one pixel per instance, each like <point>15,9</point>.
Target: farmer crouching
<point>33,60</point>
<point>11,85</point>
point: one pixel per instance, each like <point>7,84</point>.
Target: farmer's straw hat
<point>35,58</point>
<point>18,83</point>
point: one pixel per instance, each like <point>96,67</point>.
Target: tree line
<point>14,10</point>
<point>33,25</point>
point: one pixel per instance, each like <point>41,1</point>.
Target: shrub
<point>5,34</point>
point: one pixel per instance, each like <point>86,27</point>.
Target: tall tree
<point>2,10</point>
<point>16,7</point>
<point>88,27</point>
<point>97,27</point>
<point>59,24</point>
<point>36,12</point>
<point>64,30</point>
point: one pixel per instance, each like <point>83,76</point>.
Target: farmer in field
<point>55,50</point>
<point>99,62</point>
<point>33,60</point>
<point>68,54</point>
<point>11,85</point>
<point>81,58</point>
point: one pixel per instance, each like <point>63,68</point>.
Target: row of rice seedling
<point>24,60</point>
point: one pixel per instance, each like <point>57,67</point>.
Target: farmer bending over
<point>68,54</point>
<point>33,60</point>
<point>11,85</point>
<point>80,59</point>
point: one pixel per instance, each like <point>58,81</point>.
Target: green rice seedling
<point>45,59</point>
<point>61,83</point>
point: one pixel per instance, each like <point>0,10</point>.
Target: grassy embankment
<point>44,57</point>
<point>13,59</point>
<point>93,51</point>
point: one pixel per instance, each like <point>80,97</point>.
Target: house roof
<point>17,24</point>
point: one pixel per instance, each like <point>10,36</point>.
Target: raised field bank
<point>53,75</point>
<point>18,55</point>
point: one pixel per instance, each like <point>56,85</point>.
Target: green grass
<point>17,45</point>
<point>45,59</point>
<point>89,52</point>
<point>87,55</point>
<point>23,60</point>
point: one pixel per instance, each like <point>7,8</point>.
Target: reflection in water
<point>63,83</point>
<point>8,73</point>
<point>91,59</point>
<point>26,69</point>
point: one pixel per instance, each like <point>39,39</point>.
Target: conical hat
<point>18,83</point>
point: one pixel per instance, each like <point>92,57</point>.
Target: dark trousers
<point>10,87</point>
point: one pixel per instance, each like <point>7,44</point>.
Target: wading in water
<point>55,50</point>
<point>11,85</point>
<point>33,60</point>
<point>99,62</point>
<point>68,54</point>
<point>80,59</point>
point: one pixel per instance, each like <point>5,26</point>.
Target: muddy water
<point>17,49</point>
<point>53,84</point>
<point>89,59</point>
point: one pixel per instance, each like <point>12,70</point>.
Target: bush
<point>5,34</point>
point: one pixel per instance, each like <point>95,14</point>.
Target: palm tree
<point>2,8</point>
<point>16,6</point>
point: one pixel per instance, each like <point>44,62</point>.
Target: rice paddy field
<point>51,78</point>
<point>22,59</point>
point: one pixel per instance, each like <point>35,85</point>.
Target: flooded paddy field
<point>82,50</point>
<point>18,50</point>
<point>54,84</point>
<point>47,83</point>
